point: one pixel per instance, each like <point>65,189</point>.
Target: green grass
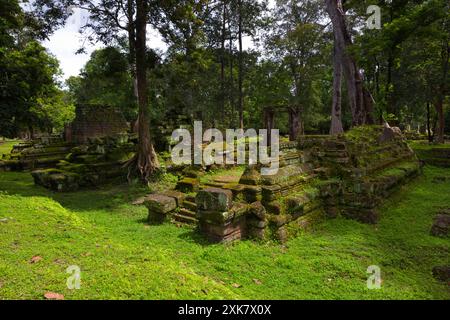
<point>121,257</point>
<point>6,146</point>
<point>425,145</point>
<point>233,173</point>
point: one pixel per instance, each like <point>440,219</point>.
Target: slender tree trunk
<point>131,26</point>
<point>132,44</point>
<point>241,76</point>
<point>231,80</point>
<point>222,63</point>
<point>430,137</point>
<point>295,126</point>
<point>352,74</point>
<point>147,161</point>
<point>388,97</point>
<point>31,130</point>
<point>439,103</point>
<point>336,111</point>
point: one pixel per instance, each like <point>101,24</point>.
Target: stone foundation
<point>438,156</point>
<point>44,152</point>
<point>94,121</point>
<point>319,177</point>
<point>91,164</point>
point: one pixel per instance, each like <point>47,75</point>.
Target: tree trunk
<point>241,76</point>
<point>147,161</point>
<point>31,130</point>
<point>132,53</point>
<point>430,137</point>
<point>231,80</point>
<point>222,63</point>
<point>269,122</point>
<point>438,105</point>
<point>336,111</point>
<point>294,123</point>
<point>352,74</point>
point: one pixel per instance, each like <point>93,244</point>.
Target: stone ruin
<point>319,177</point>
<point>95,147</point>
<point>438,156</point>
<point>92,121</point>
<point>43,152</point>
<point>97,161</point>
<point>101,146</point>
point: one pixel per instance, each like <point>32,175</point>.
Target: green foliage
<point>404,62</point>
<point>30,95</point>
<point>105,80</point>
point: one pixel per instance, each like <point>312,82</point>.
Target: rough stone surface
<point>178,196</point>
<point>95,121</point>
<point>369,216</point>
<point>441,225</point>
<point>188,185</point>
<point>257,209</point>
<point>389,134</point>
<point>442,273</point>
<point>214,199</point>
<point>160,204</point>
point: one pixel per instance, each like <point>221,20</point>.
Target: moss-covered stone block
<point>178,196</point>
<point>252,193</point>
<point>251,176</point>
<point>161,204</point>
<point>188,185</point>
<point>214,199</point>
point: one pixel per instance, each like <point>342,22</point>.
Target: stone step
<point>214,184</point>
<point>336,153</point>
<point>190,205</point>
<point>322,172</point>
<point>337,160</point>
<point>190,198</point>
<point>184,219</point>
<point>335,145</point>
<point>187,213</point>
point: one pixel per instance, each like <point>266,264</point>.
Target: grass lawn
<point>6,146</point>
<point>424,145</point>
<point>121,257</point>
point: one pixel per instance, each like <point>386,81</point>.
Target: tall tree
<point>241,67</point>
<point>296,41</point>
<point>361,114</point>
<point>107,19</point>
<point>336,108</point>
<point>146,158</point>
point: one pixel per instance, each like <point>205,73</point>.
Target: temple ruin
<point>319,177</point>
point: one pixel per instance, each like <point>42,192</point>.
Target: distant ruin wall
<point>93,121</point>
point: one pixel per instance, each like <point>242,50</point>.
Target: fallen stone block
<point>441,225</point>
<point>160,204</point>
<point>178,196</point>
<point>442,273</point>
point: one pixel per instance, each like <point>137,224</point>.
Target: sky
<point>66,41</point>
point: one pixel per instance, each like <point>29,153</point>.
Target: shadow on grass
<point>108,196</point>
<point>194,236</point>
